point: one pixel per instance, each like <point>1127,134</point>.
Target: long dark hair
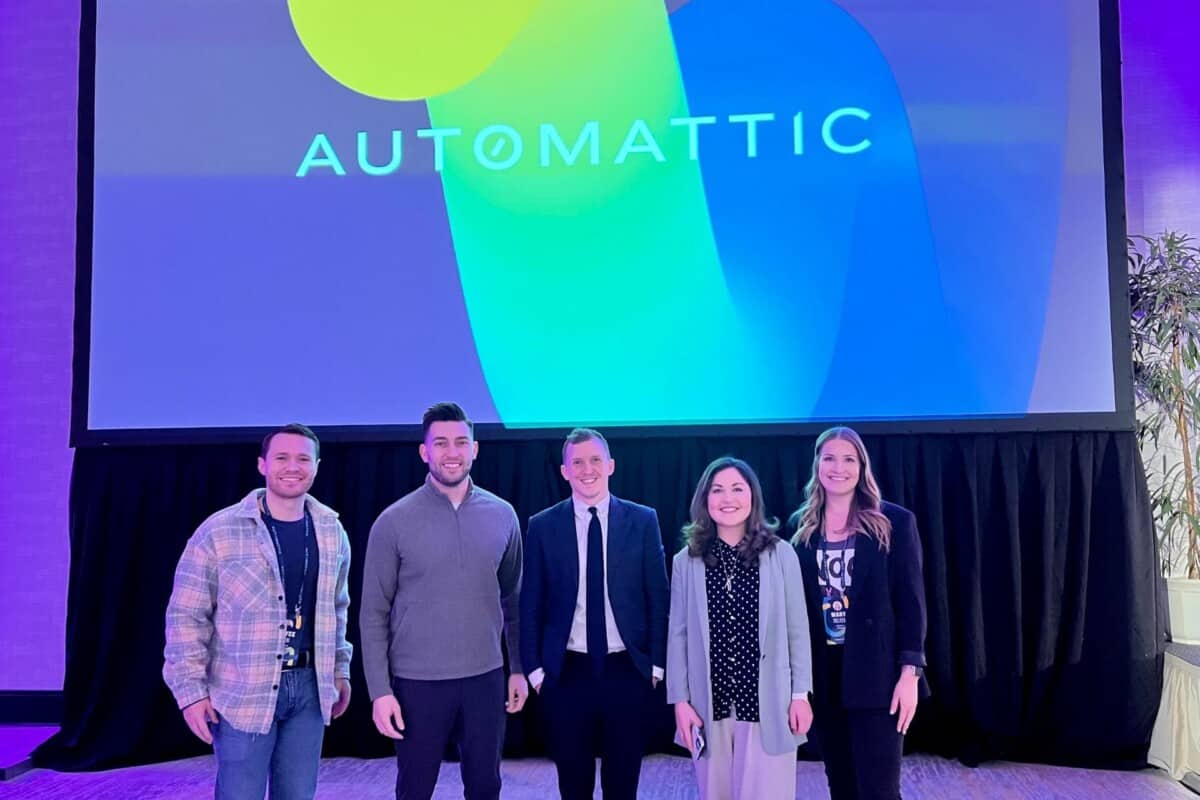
<point>701,530</point>
<point>865,515</point>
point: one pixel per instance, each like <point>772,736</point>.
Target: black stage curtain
<point>1046,623</point>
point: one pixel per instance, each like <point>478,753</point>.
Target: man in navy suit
<point>594,604</point>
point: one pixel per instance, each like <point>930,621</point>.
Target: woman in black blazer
<point>861,562</point>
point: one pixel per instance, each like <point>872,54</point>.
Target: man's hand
<point>685,718</point>
<point>385,712</point>
<point>343,702</point>
<point>518,690</point>
<point>197,716</point>
<point>800,716</point>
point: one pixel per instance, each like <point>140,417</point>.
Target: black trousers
<point>468,710</point>
<point>861,748</point>
<point>584,710</point>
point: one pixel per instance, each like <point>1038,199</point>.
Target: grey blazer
<point>783,640</point>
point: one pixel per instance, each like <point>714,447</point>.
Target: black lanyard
<point>270,523</point>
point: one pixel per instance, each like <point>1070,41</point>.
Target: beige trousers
<point>737,768</point>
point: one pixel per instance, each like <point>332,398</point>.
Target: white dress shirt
<point>577,640</point>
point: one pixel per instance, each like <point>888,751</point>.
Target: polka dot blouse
<point>732,589</point>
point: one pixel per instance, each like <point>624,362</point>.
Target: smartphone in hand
<point>698,741</point>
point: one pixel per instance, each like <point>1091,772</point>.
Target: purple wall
<point>39,64</point>
<point>38,69</point>
<point>1162,114</point>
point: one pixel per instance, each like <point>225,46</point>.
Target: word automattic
<point>500,147</point>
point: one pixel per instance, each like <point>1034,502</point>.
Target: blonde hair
<point>865,515</point>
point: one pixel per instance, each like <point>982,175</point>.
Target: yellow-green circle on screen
<point>406,49</point>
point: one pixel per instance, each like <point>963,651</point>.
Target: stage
<point>663,778</point>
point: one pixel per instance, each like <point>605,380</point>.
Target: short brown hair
<point>444,412</point>
<point>299,430</point>
<point>580,435</point>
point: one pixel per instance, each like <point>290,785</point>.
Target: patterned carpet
<point>663,778</point>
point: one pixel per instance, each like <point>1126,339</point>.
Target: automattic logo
<point>499,147</point>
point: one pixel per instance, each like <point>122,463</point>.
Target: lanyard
<point>270,523</point>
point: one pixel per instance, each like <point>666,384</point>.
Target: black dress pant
<point>469,711</point>
<point>861,748</point>
<point>584,710</point>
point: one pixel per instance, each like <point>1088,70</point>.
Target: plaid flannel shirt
<point>226,620</point>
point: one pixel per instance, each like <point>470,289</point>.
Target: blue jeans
<point>289,754</point>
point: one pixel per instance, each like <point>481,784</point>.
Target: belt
<point>302,659</point>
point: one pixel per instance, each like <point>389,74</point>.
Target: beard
<point>446,480</point>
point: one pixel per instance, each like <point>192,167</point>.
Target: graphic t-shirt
<point>835,571</point>
<point>297,543</point>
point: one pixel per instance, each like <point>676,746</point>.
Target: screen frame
<point>1122,418</point>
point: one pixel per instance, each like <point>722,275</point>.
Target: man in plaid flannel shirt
<point>256,652</point>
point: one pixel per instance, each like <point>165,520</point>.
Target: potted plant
<point>1164,299</point>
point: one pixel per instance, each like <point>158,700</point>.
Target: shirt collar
<point>431,488</point>
<point>250,509</point>
<point>581,508</point>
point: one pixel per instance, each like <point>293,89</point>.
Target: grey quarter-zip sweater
<point>439,586</point>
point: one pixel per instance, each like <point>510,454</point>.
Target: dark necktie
<point>597,637</point>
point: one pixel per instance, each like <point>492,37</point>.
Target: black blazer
<point>885,624</point>
<point>637,585</point>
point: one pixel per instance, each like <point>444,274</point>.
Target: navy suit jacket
<point>637,585</point>
<point>885,624</point>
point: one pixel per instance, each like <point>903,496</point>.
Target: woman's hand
<point>685,718</point>
<point>904,699</point>
<point>800,716</point>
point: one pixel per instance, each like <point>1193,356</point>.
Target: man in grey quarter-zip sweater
<point>441,580</point>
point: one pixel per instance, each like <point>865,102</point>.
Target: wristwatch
<point>917,671</point>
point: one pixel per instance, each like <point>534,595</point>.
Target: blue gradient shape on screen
<point>994,199</point>
<point>829,253</point>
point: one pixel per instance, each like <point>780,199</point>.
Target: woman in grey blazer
<point>738,663</point>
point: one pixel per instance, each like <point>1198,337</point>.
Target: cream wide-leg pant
<point>737,767</point>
